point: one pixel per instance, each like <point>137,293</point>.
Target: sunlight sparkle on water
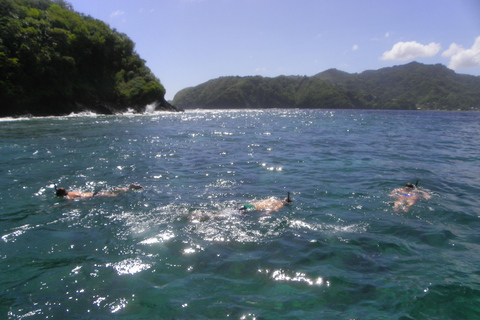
<point>129,266</point>
<point>281,275</point>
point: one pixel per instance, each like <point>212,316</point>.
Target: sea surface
<point>179,248</point>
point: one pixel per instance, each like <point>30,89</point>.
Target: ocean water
<point>180,250</point>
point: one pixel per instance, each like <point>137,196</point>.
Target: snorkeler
<point>268,205</point>
<point>63,193</point>
<point>407,196</point>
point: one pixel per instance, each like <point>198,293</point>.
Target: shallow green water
<point>339,252</point>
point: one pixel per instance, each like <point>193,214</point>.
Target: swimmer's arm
<point>131,187</point>
<point>395,193</point>
<point>424,194</point>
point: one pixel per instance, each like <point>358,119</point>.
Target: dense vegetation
<point>55,61</point>
<point>411,86</point>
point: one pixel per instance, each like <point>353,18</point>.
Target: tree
<point>56,61</point>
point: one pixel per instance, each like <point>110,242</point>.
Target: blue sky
<point>188,42</point>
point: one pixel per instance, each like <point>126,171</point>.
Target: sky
<point>188,42</point>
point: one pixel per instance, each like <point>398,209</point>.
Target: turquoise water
<point>339,252</point>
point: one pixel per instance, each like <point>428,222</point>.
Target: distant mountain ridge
<point>411,86</point>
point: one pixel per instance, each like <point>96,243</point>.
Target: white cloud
<point>452,50</point>
<point>463,58</point>
<point>355,47</point>
<point>411,50</point>
<point>117,13</point>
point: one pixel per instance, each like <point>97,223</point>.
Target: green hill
<point>411,86</point>
<point>55,61</point>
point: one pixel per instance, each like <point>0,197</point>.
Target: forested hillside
<point>411,86</point>
<point>55,61</point>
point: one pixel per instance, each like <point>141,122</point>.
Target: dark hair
<point>409,185</point>
<point>61,192</point>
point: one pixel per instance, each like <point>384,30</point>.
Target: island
<point>55,61</point>
<point>413,86</point>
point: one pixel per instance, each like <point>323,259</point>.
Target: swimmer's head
<point>409,185</point>
<point>61,192</point>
